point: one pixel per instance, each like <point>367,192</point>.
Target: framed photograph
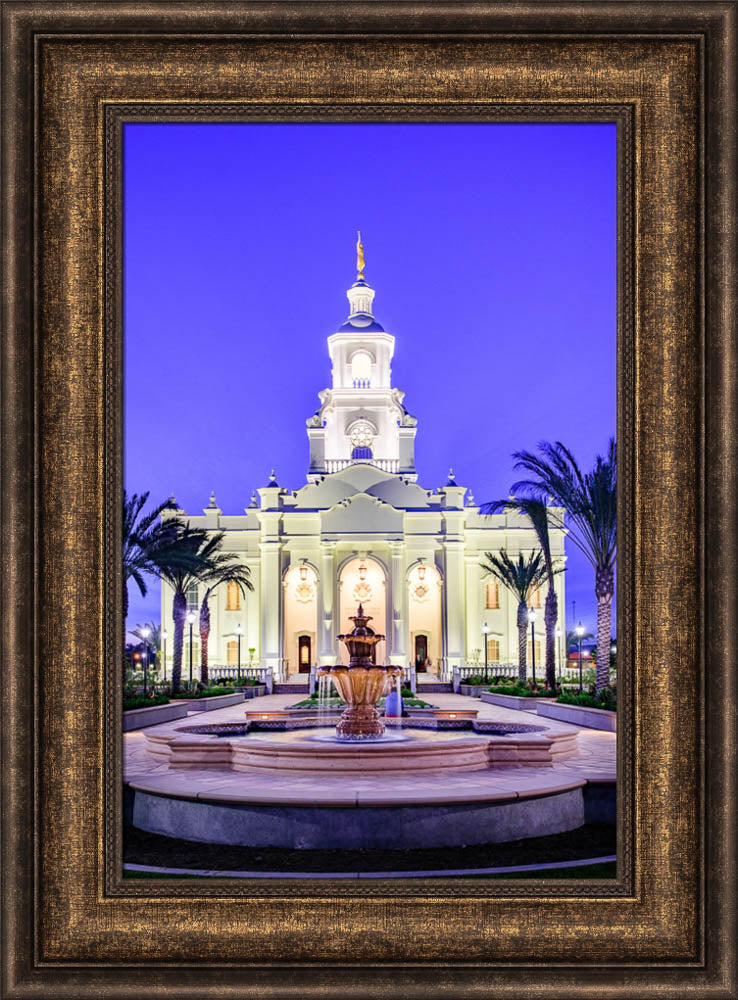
<point>356,647</point>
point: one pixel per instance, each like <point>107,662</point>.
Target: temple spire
<point>360,265</point>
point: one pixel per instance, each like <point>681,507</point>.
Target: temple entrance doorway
<point>424,610</point>
<point>300,595</point>
<point>421,651</point>
<point>362,581</point>
<point>304,650</point>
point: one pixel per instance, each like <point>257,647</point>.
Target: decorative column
<point>327,621</point>
<point>455,602</point>
<point>398,652</point>
<point>474,603</point>
<point>271,592</point>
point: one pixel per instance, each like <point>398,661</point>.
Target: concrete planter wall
<point>254,691</point>
<point>210,704</point>
<point>472,690</point>
<point>512,701</point>
<point>139,718</point>
<point>592,718</point>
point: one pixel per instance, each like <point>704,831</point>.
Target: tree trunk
<point>522,641</point>
<point>179,613</point>
<point>550,615</point>
<point>204,634</point>
<point>604,590</point>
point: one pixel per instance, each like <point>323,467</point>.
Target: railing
<point>261,674</point>
<point>362,383</point>
<point>383,464</point>
<point>493,670</point>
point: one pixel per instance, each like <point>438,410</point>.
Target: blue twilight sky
<point>492,249</point>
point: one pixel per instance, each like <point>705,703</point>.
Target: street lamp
<point>164,637</point>
<point>191,622</point>
<point>485,630</point>
<point>532,620</point>
<point>558,637</point>
<point>145,633</point>
<point>580,632</point>
<point>239,631</point>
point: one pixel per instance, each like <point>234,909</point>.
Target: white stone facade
<point>363,529</point>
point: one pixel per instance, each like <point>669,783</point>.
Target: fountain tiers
<point>362,683</point>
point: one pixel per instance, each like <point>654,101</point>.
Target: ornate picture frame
<point>73,73</point>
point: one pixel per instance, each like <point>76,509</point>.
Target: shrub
<point>522,691</point>
<point>139,701</point>
<point>606,699</point>
<point>203,692</point>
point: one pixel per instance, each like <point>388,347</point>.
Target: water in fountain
<point>324,692</point>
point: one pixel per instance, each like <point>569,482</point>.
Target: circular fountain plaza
<point>260,774</point>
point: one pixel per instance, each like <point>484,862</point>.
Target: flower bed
<point>605,700</point>
<point>139,701</point>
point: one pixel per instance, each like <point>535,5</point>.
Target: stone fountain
<point>362,683</point>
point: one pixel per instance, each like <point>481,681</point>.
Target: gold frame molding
<point>71,74</point>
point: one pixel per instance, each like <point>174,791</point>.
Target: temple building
<point>362,529</point>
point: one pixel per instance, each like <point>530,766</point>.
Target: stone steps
<point>439,687</point>
<point>287,688</point>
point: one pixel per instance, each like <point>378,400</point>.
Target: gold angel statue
<point>359,257</point>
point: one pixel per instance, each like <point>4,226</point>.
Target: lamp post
<point>239,630</point>
<point>532,620</point>
<point>191,622</point>
<point>145,633</point>
<point>558,643</point>
<point>580,632</point>
<point>164,637</point>
<point>485,630</point>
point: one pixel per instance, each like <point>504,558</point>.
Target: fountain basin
<point>427,747</point>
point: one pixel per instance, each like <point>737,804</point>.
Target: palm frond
<point>521,576</point>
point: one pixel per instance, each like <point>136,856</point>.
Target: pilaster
<point>399,634</point>
<point>326,618</point>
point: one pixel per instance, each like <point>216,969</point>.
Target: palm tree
<point>590,515</point>
<point>537,513</point>
<point>153,639</point>
<point>188,563</point>
<point>226,569</point>
<point>520,578</point>
<point>144,535</point>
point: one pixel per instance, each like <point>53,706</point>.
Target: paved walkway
<point>595,761</point>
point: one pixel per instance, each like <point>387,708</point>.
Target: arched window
<point>233,596</point>
<point>534,598</point>
<point>361,369</point>
<point>232,653</point>
<point>493,650</point>
<point>193,604</point>
<point>493,594</point>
